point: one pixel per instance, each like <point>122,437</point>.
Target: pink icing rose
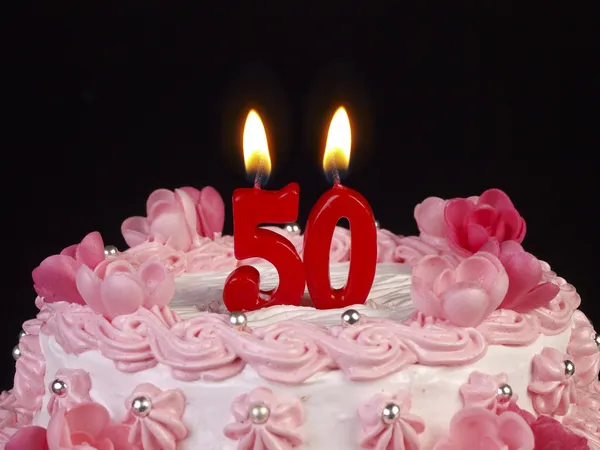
<point>86,426</point>
<point>551,388</point>
<point>550,434</point>
<point>117,288</point>
<point>278,429</point>
<point>161,428</point>
<point>480,429</point>
<point>464,294</point>
<point>54,278</point>
<point>482,391</point>
<point>401,433</point>
<point>583,349</point>
<point>471,223</point>
<point>77,384</point>
<point>525,289</point>
<point>177,218</point>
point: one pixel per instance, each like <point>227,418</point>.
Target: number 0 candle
<point>337,203</point>
<point>253,207</point>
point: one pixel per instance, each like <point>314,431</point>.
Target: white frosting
<point>389,297</point>
<point>330,400</point>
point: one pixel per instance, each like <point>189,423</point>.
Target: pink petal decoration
<point>526,291</point>
<point>177,218</point>
<point>464,294</point>
<point>78,386</point>
<point>583,349</point>
<point>430,217</point>
<point>481,391</point>
<point>55,278</point>
<point>279,432</point>
<point>28,438</point>
<point>552,391</point>
<point>480,429</point>
<point>402,434</point>
<point>161,428</point>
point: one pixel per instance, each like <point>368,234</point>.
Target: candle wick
<point>334,171</point>
<point>259,175</point>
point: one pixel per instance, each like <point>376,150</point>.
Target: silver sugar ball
<point>597,340</point>
<point>505,393</point>
<point>59,387</point>
<point>16,352</point>
<point>569,368</point>
<point>350,317</point>
<point>22,334</point>
<point>390,413</point>
<point>111,250</point>
<point>141,406</point>
<point>259,413</point>
<point>292,228</point>
<point>377,224</point>
<point>238,319</point>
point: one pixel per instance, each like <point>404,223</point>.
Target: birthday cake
<point>465,341</point>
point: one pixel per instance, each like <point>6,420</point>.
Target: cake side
<point>476,327</point>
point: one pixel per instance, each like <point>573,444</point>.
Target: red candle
<point>253,207</point>
<point>340,202</point>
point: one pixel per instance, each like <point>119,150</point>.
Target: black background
<point>107,106</point>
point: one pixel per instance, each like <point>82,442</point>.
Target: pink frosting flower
<point>482,391</point>
<point>77,386</point>
<point>54,278</point>
<point>430,219</point>
<point>160,428</point>
<point>471,223</point>
<point>583,349</point>
<point>278,430</point>
<point>86,426</point>
<point>117,288</point>
<point>177,218</point>
<point>465,295</point>
<point>525,289</point>
<point>551,388</point>
<point>402,433</point>
<point>480,429</point>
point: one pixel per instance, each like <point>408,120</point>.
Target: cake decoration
<point>387,424</point>
<point>465,294</point>
<point>265,421</point>
<point>487,391</point>
<point>154,417</point>
<point>69,388</point>
<point>584,350</point>
<point>480,429</point>
<point>552,386</point>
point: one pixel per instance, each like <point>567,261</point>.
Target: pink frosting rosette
<point>211,254</point>
<point>77,385</point>
<point>526,291</point>
<point>583,349</point>
<point>277,431</point>
<point>86,426</point>
<point>481,391</point>
<point>116,287</point>
<point>464,294</point>
<point>161,427</point>
<point>177,217</point>
<point>401,433</point>
<point>480,429</point>
<point>54,278</point>
<point>551,388</point>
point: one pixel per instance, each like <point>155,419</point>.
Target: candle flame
<point>339,142</point>
<point>255,146</point>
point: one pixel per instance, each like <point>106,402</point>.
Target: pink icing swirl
<point>508,327</point>
<point>161,428</point>
<point>72,327</point>
<point>77,390</point>
<point>555,318</point>
<point>481,391</point>
<point>552,390</point>
<point>583,349</point>
<point>28,387</point>
<point>401,434</point>
<point>280,431</point>
<point>199,349</point>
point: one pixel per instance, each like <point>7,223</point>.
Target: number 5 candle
<point>340,202</point>
<point>253,207</point>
